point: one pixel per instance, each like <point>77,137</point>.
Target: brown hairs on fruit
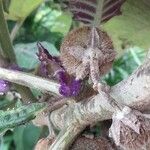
<point>81,37</point>
<point>130,129</point>
<point>84,143</point>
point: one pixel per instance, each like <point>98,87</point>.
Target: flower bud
<point>4,87</point>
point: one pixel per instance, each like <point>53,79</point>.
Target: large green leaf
<point>132,27</point>
<point>25,137</point>
<point>26,54</point>
<point>20,9</point>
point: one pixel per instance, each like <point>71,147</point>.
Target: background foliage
<point>46,22</point>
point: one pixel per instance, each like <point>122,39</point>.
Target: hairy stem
<point>99,12</point>
<point>66,137</point>
<point>29,80</point>
<point>5,40</point>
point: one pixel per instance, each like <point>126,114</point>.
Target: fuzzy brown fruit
<point>83,143</point>
<point>130,129</point>
<point>87,51</point>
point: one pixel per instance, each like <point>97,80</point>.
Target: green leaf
<point>25,137</point>
<point>53,20</point>
<point>132,27</point>
<point>62,24</point>
<point>123,72</point>
<point>26,54</point>
<point>135,56</point>
<point>18,116</point>
<point>6,141</point>
<point>125,65</point>
<point>20,9</point>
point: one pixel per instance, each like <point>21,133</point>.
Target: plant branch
<point>29,80</point>
<point>5,40</point>
<point>138,83</point>
<point>133,92</point>
<point>66,137</point>
<point>16,29</point>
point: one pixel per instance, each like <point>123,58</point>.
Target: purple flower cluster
<point>69,86</point>
<point>4,86</point>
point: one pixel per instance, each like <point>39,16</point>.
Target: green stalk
<point>5,40</point>
<point>6,5</point>
<point>16,29</point>
<point>99,12</point>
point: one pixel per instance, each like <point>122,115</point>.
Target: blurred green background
<point>36,20</point>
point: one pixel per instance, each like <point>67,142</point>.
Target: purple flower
<point>72,89</point>
<point>4,87</point>
<point>69,86</point>
<point>75,87</point>
<point>65,90</point>
<point>62,76</point>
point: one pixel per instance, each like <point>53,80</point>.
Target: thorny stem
<point>5,40</point>
<point>29,80</point>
